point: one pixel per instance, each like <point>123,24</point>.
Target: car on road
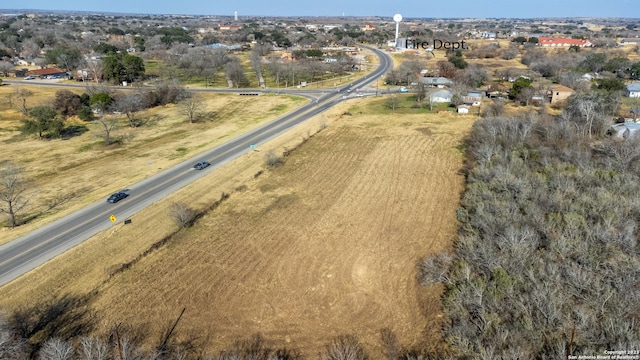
<point>30,77</point>
<point>114,198</point>
<point>201,165</point>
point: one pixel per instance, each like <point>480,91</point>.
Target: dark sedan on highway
<point>114,198</point>
<point>201,165</point>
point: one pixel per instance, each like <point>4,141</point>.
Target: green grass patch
<point>279,108</point>
<point>180,152</point>
<point>88,146</point>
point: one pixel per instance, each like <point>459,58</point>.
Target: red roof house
<point>553,41</point>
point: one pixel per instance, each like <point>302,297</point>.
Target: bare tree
<point>191,107</point>
<point>129,104</point>
<point>14,195</point>
<point>473,76</point>
<point>109,123</point>
<point>495,108</point>
<point>587,109</point>
<point>235,73</point>
<point>94,70</point>
<point>5,67</point>
<point>182,214</point>
<point>276,68</point>
<point>256,61</point>
<point>11,346</point>
<point>344,347</point>
<point>8,98</point>
<point>392,102</point>
<point>41,62</point>
<point>56,349</point>
<point>30,49</point>
<point>23,95</point>
<point>92,348</point>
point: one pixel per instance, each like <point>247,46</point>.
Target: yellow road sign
<point>112,218</point>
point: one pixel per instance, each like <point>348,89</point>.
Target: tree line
<point>547,255</point>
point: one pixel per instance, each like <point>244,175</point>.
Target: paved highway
<point>27,252</point>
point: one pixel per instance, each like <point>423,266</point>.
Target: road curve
<point>29,251</point>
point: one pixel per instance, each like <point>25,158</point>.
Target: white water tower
<point>235,15</point>
<point>397,18</point>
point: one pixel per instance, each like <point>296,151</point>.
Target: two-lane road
<point>27,252</point>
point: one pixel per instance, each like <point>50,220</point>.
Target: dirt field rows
<point>325,245</point>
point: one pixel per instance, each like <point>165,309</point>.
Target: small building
<point>559,93</point>
<point>463,109</point>
<point>441,96</point>
<point>633,90</point>
<point>472,98</point>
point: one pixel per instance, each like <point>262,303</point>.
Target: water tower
<point>397,18</point>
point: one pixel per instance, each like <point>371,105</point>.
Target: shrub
<point>182,214</point>
<point>271,159</point>
<point>345,347</point>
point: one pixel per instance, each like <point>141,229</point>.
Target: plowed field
<point>324,245</point>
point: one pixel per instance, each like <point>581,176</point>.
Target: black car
<point>201,165</point>
<point>114,198</point>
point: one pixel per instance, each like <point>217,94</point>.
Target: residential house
<point>435,81</point>
<point>630,41</point>
<point>48,72</point>
<point>515,78</point>
<point>472,98</point>
<point>633,90</point>
<point>229,27</point>
<point>488,35</point>
<point>497,91</point>
<point>559,93</point>
<point>441,96</point>
<point>368,27</point>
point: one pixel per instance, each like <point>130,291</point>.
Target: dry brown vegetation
<point>71,173</point>
<point>324,245</point>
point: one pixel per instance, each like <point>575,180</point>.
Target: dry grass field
<point>84,170</point>
<point>324,245</point>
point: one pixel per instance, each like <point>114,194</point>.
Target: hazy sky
<point>408,8</point>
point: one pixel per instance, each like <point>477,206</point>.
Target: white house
<point>463,109</point>
<point>441,96</point>
<point>633,90</point>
